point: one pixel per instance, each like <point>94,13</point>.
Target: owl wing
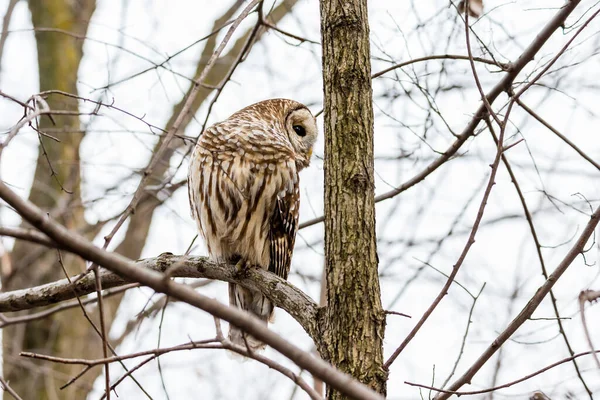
<point>237,178</point>
<point>282,232</point>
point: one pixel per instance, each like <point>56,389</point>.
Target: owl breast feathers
<point>244,194</point>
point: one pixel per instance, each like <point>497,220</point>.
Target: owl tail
<point>255,303</point>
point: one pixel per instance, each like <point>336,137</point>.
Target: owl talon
<point>241,266</point>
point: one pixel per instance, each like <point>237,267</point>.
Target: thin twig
<point>464,339</point>
<point>509,384</point>
<point>285,33</point>
<point>99,104</point>
<point>397,313</point>
<point>557,133</point>
<point>461,258</point>
<point>502,66</point>
<point>14,99</point>
<point>103,331</point>
<point>30,116</point>
<point>8,389</point>
<point>108,360</point>
<point>484,99</point>
<point>160,326</point>
<point>128,373</point>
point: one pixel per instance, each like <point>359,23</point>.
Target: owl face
<point>281,121</point>
<point>301,130</point>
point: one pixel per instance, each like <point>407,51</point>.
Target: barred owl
<point>243,187</point>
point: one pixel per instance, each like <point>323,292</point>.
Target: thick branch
<point>282,293</point>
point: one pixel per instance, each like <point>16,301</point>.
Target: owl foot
<point>242,265</point>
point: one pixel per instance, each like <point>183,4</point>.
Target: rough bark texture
<point>355,320</point>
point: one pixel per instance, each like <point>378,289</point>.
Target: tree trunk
<point>67,333</point>
<point>355,320</point>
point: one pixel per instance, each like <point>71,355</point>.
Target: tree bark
<point>355,320</point>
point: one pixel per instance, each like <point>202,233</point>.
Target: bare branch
<point>29,235</point>
<point>5,25</point>
<point>215,343</point>
<point>461,258</point>
<point>531,306</point>
<point>513,70</point>
<point>282,293</point>
<point>6,321</point>
<point>509,384</point>
<point>538,247</point>
<point>591,296</point>
<point>128,269</point>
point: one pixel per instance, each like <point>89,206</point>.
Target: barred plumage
<point>244,194</point>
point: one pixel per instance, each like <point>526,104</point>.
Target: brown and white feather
<point>243,187</point>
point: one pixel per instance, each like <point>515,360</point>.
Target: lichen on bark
<point>354,318</point>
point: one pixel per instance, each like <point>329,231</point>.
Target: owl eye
<point>300,131</point>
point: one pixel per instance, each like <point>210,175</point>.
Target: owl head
<point>290,121</point>
<point>301,129</point>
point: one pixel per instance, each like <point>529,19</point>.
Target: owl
<point>243,187</point>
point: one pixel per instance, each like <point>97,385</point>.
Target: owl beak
<point>309,154</point>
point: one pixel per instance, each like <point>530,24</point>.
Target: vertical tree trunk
<point>355,320</point>
<point>67,333</point>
